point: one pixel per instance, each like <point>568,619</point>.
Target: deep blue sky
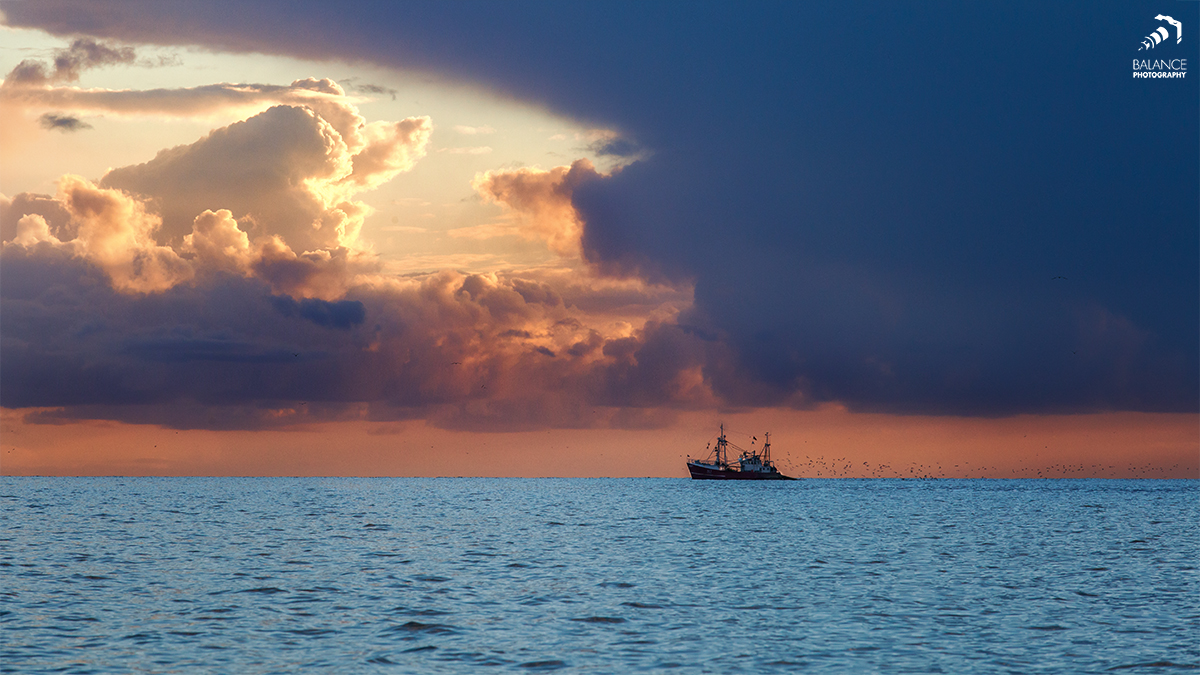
<point>875,200</point>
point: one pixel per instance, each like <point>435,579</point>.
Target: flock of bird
<point>842,467</point>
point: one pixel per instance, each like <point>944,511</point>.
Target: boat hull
<point>702,472</point>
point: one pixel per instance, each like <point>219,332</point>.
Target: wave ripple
<point>605,575</point>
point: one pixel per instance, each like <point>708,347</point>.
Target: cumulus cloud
<point>272,196</point>
<point>115,232</point>
<point>218,242</point>
<point>541,200</point>
<point>386,149</point>
<point>287,171</point>
<point>324,273</point>
<point>32,230</point>
<point>14,208</point>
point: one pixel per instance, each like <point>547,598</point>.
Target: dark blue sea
<point>460,575</point>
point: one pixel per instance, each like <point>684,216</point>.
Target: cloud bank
<point>896,218</point>
<point>224,284</point>
<point>224,350</point>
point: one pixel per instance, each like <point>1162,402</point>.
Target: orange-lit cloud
<point>264,212</point>
<point>541,201</point>
<point>114,232</point>
<point>265,209</point>
<point>288,171</point>
<point>463,351</point>
<point>272,196</point>
<point>218,243</point>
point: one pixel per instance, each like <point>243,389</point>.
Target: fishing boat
<point>750,465</point>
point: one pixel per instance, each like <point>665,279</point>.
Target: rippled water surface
<point>604,575</point>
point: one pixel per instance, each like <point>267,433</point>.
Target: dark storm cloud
<point>62,122</point>
<point>344,314</point>
<point>180,349</point>
<point>615,147</point>
<point>873,201</point>
<point>82,54</point>
<point>352,84</point>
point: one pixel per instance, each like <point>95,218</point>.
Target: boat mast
<point>766,451</point>
<point>722,450</point>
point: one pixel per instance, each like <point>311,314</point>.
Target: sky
<point>539,238</point>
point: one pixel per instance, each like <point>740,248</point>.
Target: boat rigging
<point>749,465</point>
